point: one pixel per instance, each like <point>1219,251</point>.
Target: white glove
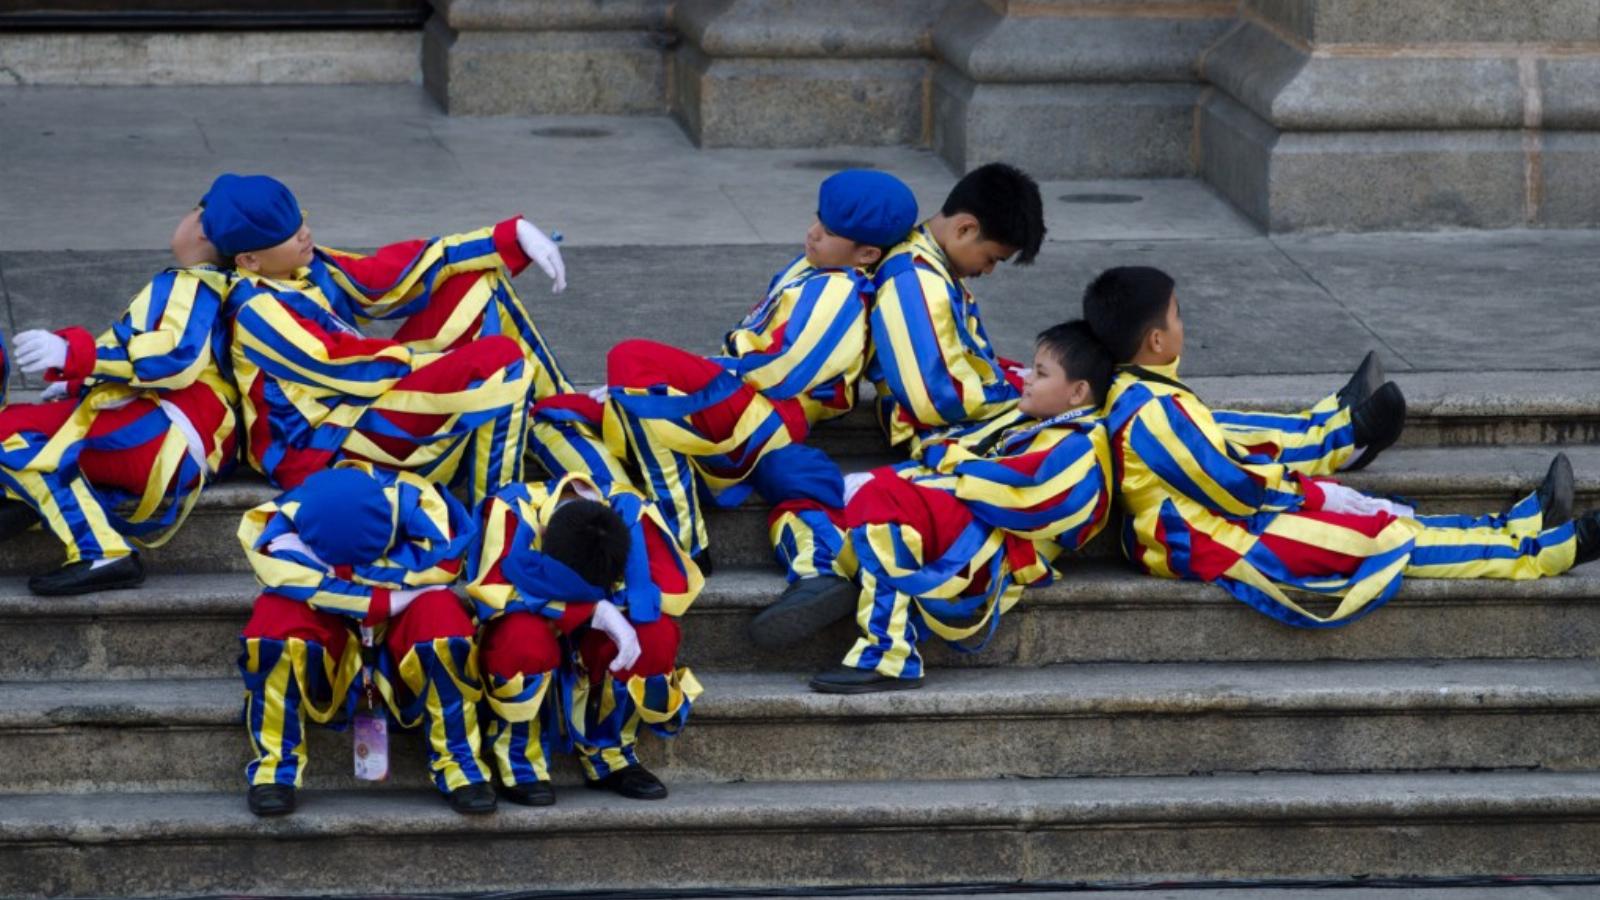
<point>1337,498</point>
<point>543,251</point>
<point>600,394</point>
<point>399,600</point>
<point>853,483</point>
<point>40,350</point>
<point>55,390</point>
<point>1022,372</point>
<point>616,626</point>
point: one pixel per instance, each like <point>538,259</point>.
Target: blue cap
<point>344,516</point>
<point>248,212</point>
<point>867,207</point>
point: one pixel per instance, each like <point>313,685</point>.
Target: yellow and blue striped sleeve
<point>1183,446</point>
<point>824,338</point>
<point>398,280</point>
<point>291,348</point>
<point>166,338</point>
<point>934,362</point>
<point>1055,488</point>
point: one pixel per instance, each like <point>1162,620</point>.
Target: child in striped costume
<point>1202,506</point>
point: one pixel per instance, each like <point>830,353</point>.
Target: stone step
<point>1437,479</point>
<point>1068,721</point>
<point>805,834</point>
<point>187,626</point>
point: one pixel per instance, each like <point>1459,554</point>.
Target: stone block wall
<point>1307,114</point>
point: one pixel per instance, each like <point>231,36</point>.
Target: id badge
<point>371,731</point>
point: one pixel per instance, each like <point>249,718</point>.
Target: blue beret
<point>867,207</point>
<point>344,516</point>
<point>248,212</point>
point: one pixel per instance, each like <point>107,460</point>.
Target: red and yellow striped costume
<point>150,424</point>
<point>447,397</point>
<point>1201,506</point>
<point>535,616</point>
<point>301,654</point>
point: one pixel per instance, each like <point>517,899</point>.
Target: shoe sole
<point>123,585</point>
<point>783,625</point>
<point>1372,451</point>
<point>1562,490</point>
<point>876,687</point>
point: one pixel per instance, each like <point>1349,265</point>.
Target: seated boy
<point>358,549</point>
<point>447,397</point>
<point>945,547</point>
<point>934,368</point>
<point>130,428</point>
<point>580,591</point>
<point>793,361</point>
<point>1200,506</point>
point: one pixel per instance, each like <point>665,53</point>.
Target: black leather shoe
<point>1364,383</point>
<point>806,607</point>
<point>702,560</point>
<point>1555,492</point>
<point>845,680</point>
<point>634,782</point>
<point>15,518</point>
<point>271,799</point>
<point>1587,530</point>
<point>82,577</point>
<point>1377,422</point>
<point>472,799</point>
<point>539,793</point>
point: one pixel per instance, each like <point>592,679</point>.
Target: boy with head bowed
<point>446,397</point>
<point>131,426</point>
<point>580,590</point>
<point>357,552</point>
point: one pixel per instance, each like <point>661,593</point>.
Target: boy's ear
<point>1081,393</point>
<point>967,228</point>
<point>867,255</point>
<point>244,261</point>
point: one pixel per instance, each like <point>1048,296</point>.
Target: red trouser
<point>436,614</point>
<point>937,516</point>
<point>642,364</point>
<point>455,371</point>
<point>522,643</point>
<point>126,469</point>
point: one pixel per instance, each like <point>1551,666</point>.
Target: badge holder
<point>370,724</point>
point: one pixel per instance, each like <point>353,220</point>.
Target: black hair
<point>1125,304</point>
<point>1081,355</point>
<point>1005,201</point>
<point>590,539</point>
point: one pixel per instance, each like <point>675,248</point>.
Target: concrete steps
<point>1067,721</point>
<point>187,626</point>
<point>812,834</point>
<point>1437,479</point>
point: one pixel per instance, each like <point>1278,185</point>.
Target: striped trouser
<point>1314,441</point>
<point>298,663</point>
<point>600,713</point>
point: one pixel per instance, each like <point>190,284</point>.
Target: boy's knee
<point>658,647</point>
<point>628,364</point>
<point>436,614</point>
<point>518,644</point>
<point>278,618</point>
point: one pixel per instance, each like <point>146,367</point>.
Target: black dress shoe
<point>845,680</point>
<point>1555,492</point>
<point>806,607</point>
<point>634,782</point>
<point>1377,422</point>
<point>271,799</point>
<point>15,518</point>
<point>1364,383</point>
<point>702,561</point>
<point>539,793</point>
<point>1586,528</point>
<point>472,799</point>
<point>82,577</point>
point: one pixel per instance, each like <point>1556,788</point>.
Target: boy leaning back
<point>1202,507</point>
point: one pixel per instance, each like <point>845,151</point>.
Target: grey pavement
<point>675,243</point>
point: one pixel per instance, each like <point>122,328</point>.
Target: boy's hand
<point>55,390</point>
<point>39,351</point>
<point>543,251</point>
<point>616,626</point>
<point>853,483</point>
